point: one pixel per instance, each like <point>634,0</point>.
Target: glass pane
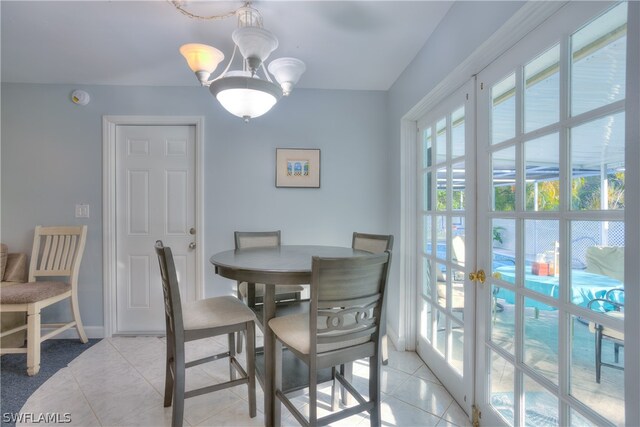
<point>441,140</point>
<point>456,352</point>
<point>503,247</point>
<point>441,236</point>
<point>540,406</point>
<point>457,294</point>
<point>426,147</point>
<point>458,185</point>
<point>426,191</point>
<point>598,61</point>
<point>606,398</point>
<point>542,252</point>
<point>426,234</point>
<point>542,173</point>
<point>541,341</point>
<point>504,318</point>
<point>427,278</point>
<point>542,90</point>
<point>501,387</point>
<point>443,287</point>
<point>457,133</point>
<point>597,258</point>
<point>503,114</point>
<point>597,164</point>
<point>577,420</point>
<point>441,336</point>
<point>457,240</point>
<point>441,190</point>
<point>425,321</point>
<point>504,179</point>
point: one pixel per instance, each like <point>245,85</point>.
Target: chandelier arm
<point>264,70</point>
<point>176,4</point>
<point>233,55</point>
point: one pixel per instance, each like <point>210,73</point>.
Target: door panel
<point>445,333</point>
<point>551,193</point>
<point>155,197</point>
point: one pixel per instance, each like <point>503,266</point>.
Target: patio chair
<point>196,320</point>
<point>256,239</point>
<point>611,305</point>
<point>56,252</point>
<point>343,325</point>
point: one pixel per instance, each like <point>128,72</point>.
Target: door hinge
<point>475,416</point>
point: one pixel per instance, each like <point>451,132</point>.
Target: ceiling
<point>357,45</point>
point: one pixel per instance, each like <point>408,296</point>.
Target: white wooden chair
<point>57,252</point>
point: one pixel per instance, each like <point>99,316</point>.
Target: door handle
<point>478,276</point>
<point>192,245</point>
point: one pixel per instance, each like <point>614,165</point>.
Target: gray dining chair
<point>261,239</point>
<point>377,244</point>
<point>343,325</point>
<point>197,320</point>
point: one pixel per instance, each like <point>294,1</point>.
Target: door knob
<point>478,276</point>
<point>192,231</point>
<point>192,245</point>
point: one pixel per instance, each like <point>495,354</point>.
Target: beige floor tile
<point>425,395</point>
<point>455,415</point>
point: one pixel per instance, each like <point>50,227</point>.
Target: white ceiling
<point>359,45</point>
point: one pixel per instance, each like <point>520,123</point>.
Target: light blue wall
<point>52,159</point>
<point>465,27</point>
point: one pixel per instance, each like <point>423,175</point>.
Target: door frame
<point>109,164</point>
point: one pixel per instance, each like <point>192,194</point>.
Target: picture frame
<point>297,168</point>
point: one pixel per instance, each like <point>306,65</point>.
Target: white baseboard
<point>91,331</point>
<point>398,343</point>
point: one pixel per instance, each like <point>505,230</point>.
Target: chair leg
<point>33,340</point>
<point>232,354</point>
<point>178,388</point>
<point>240,333</point>
<point>347,373</point>
<point>334,390</point>
<point>598,351</point>
<point>251,367</point>
<point>170,368</point>
<point>374,390</point>
<point>76,316</point>
<point>277,383</point>
<point>313,393</point>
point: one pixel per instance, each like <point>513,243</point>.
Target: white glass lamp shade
<point>245,97</point>
<point>201,57</point>
<point>287,72</point>
<point>254,42</point>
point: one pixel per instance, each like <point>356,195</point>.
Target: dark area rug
<point>16,386</point>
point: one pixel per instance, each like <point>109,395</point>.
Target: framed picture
<point>298,167</point>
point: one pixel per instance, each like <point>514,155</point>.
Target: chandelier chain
<point>177,5</point>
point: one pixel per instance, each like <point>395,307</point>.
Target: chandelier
<point>242,92</point>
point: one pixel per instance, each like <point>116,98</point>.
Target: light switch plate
<point>82,211</point>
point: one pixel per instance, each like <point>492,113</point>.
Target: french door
<point>447,241</point>
<point>551,168</point>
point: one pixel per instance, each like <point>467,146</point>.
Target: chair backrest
<point>171,292</point>
<point>57,252</point>
<point>256,239</point>
<point>347,297</point>
<point>457,246</point>
<point>374,243</point>
<point>606,261</point>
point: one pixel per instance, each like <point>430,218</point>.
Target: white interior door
<point>551,169</point>
<point>155,200</point>
<point>446,218</point>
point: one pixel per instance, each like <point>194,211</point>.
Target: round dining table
<point>282,265</point>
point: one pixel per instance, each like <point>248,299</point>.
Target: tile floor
<point>120,382</point>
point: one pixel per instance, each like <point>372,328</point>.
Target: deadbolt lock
<point>478,276</point>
